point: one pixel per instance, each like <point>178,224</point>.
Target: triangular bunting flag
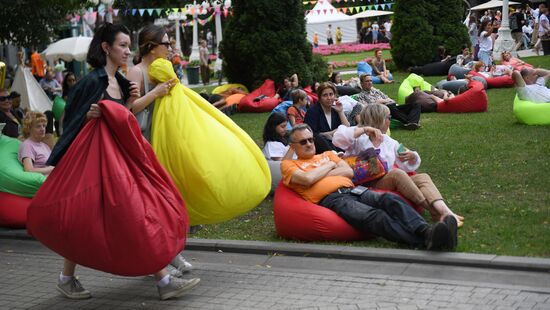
<point>159,11</point>
<point>115,12</point>
<point>225,11</point>
<point>141,11</point>
<point>134,11</point>
<point>331,11</point>
<point>325,11</point>
<point>363,8</point>
<point>150,11</point>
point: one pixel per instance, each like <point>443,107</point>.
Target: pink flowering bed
<point>334,49</point>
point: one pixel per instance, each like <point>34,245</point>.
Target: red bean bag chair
<point>312,96</point>
<point>473,100</point>
<point>13,210</point>
<point>496,82</point>
<point>247,103</point>
<point>109,204</point>
<point>299,219</point>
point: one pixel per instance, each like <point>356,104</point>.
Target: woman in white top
<point>543,29</point>
<point>485,43</point>
<point>419,187</point>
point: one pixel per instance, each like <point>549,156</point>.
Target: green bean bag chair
<point>531,113</point>
<point>13,179</point>
<point>58,107</point>
<point>408,85</point>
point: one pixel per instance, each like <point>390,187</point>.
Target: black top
<point>315,118</point>
<point>12,127</point>
<point>87,91</point>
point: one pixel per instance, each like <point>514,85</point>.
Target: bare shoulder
<point>134,74</point>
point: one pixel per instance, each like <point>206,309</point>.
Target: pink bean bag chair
<point>13,210</point>
<point>496,82</point>
<point>473,100</point>
<point>266,104</point>
<point>299,219</point>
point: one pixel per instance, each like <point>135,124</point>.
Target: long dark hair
<point>104,33</point>
<point>483,26</point>
<point>149,37</point>
<point>66,88</point>
<point>270,134</point>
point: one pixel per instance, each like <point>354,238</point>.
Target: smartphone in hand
<point>401,149</point>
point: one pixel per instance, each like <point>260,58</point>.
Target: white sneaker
<point>177,287</point>
<point>174,272</point>
<point>181,264</point>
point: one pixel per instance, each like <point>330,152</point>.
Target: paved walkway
<point>260,281</point>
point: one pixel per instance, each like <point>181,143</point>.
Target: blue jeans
<point>382,214</point>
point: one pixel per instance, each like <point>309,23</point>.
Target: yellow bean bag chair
<point>222,88</point>
<point>219,170</point>
<point>407,87</point>
<point>531,113</point>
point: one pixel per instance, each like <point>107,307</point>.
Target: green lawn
<point>492,170</point>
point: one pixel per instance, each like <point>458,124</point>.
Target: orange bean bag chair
<point>247,103</point>
<point>234,99</point>
<point>473,100</point>
<point>299,219</point>
<point>496,82</point>
<point>13,210</point>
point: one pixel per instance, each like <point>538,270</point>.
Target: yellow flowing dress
<point>219,170</point>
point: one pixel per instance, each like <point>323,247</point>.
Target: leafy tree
<point>412,41</point>
<point>449,29</point>
<point>422,25</point>
<point>266,39</point>
<point>33,22</point>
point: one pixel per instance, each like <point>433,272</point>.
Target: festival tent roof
<point>323,14</point>
<point>371,13</point>
<point>33,96</point>
<point>491,4</point>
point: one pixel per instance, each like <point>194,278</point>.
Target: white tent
<point>491,4</point>
<point>371,13</point>
<point>33,96</point>
<point>323,14</point>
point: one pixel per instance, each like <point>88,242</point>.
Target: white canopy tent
<point>33,96</point>
<point>323,14</point>
<point>491,4</point>
<point>371,13</point>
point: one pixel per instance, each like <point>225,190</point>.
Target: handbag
<point>367,166</point>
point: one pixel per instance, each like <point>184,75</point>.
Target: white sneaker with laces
<point>181,264</point>
<point>177,287</point>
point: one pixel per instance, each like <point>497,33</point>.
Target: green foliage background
<point>266,39</point>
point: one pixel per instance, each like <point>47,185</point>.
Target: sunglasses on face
<point>167,44</point>
<point>305,141</point>
<point>4,98</point>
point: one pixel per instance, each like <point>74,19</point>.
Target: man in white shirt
<point>388,25</point>
<point>329,35</point>
<point>531,84</point>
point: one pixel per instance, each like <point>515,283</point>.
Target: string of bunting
<point>352,9</point>
<point>312,2</point>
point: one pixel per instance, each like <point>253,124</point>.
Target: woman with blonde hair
<point>33,152</point>
<point>419,187</point>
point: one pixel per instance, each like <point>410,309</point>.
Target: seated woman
<point>325,117</point>
<point>419,187</point>
<point>494,71</point>
<point>33,152</point>
<point>379,67</point>
<point>336,79</point>
<point>513,62</point>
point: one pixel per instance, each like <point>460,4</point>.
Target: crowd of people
<point>310,140</point>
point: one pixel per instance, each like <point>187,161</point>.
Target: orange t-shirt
<point>37,65</point>
<point>321,188</point>
<point>298,114</point>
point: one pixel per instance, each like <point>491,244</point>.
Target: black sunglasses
<point>4,98</point>
<point>305,141</point>
<point>167,44</point>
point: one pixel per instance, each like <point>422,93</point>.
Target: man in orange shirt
<point>37,65</point>
<point>325,179</point>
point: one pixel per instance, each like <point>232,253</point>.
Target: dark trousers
<point>205,74</point>
<point>406,113</point>
<point>382,214</point>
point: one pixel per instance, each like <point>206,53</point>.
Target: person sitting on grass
<point>513,62</point>
<point>379,67</point>
<point>531,84</point>
<point>33,152</point>
<point>296,113</point>
<point>325,179</point>
<point>419,187</point>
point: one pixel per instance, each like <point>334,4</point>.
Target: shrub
<point>266,39</point>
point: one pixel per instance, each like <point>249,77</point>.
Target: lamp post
<point>177,17</point>
<point>504,42</point>
<point>195,47</point>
